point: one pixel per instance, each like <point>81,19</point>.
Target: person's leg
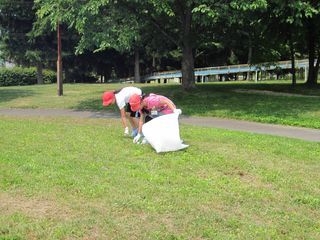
<point>133,121</point>
<point>131,116</point>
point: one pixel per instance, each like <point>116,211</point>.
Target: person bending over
<point>121,98</point>
<point>150,107</point>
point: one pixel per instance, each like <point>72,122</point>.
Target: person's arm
<point>139,135</point>
<point>168,103</point>
<point>142,115</point>
<point>140,122</point>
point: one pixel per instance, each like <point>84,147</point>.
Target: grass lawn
<point>213,99</point>
<point>66,178</point>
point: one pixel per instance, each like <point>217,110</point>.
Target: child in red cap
<point>121,98</point>
<point>150,107</point>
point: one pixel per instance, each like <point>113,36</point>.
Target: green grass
<point>65,178</point>
<point>215,100</point>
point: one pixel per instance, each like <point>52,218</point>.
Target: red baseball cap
<point>107,98</point>
<point>134,102</point>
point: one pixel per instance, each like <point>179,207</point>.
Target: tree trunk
<point>187,62</point>
<point>39,73</point>
<point>187,66</point>
<point>249,57</point>
<point>136,66</point>
<point>292,51</point>
<point>311,37</point>
<point>317,66</point>
<point>153,63</point>
<point>293,67</point>
<point>59,63</point>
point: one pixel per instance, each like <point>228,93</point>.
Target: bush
<point>49,76</point>
<point>23,76</point>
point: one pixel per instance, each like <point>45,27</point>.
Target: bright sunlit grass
<point>66,178</point>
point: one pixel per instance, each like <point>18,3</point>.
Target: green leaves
<point>205,9</point>
<point>100,24</point>
<point>249,4</point>
<point>161,6</point>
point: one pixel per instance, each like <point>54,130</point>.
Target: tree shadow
<point>7,95</point>
<point>95,104</point>
<point>221,100</point>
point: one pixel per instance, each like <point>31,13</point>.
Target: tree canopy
<point>176,34</point>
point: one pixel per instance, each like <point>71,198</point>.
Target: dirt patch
<point>32,207</point>
<point>267,92</point>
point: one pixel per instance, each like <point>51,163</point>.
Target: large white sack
<point>163,133</point>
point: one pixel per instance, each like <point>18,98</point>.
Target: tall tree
<point>301,21</point>
<point>312,24</point>
<point>117,24</point>
<point>192,28</point>
<point>16,40</point>
<point>307,14</point>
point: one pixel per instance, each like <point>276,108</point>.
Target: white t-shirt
<point>122,97</point>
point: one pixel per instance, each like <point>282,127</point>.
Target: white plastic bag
<point>163,133</point>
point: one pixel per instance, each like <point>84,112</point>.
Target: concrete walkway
<point>239,125</point>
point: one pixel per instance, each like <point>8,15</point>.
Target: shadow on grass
<point>220,100</point>
<point>7,95</point>
<point>94,104</point>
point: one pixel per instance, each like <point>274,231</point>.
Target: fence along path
<point>202,73</point>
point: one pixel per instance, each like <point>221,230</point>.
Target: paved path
<point>57,112</point>
<point>239,125</point>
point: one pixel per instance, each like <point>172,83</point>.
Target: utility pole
<point>59,62</point>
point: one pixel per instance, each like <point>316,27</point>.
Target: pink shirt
<point>153,102</point>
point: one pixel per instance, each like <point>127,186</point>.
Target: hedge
<point>24,76</point>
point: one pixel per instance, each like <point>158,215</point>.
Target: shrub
<point>49,76</point>
<point>23,76</point>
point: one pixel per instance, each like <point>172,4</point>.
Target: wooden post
<point>59,63</point>
<point>136,65</point>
